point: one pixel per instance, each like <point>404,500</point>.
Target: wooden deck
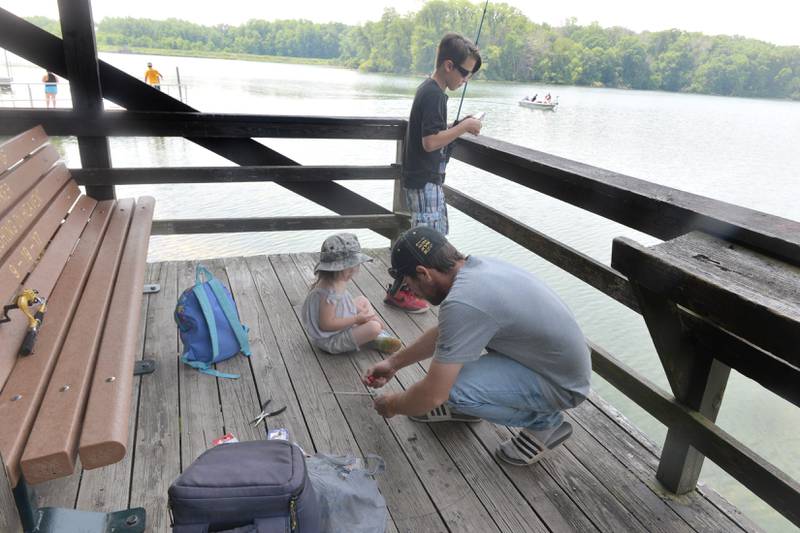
<point>438,478</point>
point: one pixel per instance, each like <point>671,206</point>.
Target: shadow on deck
<point>438,478</point>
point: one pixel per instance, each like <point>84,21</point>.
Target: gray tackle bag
<point>246,487</point>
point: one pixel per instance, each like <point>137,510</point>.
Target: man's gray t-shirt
<point>496,306</point>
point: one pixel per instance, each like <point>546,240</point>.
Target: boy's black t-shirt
<point>428,117</point>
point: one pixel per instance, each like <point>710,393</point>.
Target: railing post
<point>80,52</point>
<point>697,380</point>
<point>399,206</point>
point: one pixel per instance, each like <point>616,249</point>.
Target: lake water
<point>742,151</point>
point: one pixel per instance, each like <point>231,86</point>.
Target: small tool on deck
<point>349,393</point>
<point>266,414</point>
<point>27,299</point>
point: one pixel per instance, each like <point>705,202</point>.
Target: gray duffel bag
<point>256,486</point>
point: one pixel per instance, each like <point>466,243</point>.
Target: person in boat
<point>506,349</point>
<point>535,96</point>
<point>547,98</point>
<point>50,89</point>
<point>425,150</point>
<point>153,77</point>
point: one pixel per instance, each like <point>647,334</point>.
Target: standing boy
<point>425,151</point>
<point>153,77</point>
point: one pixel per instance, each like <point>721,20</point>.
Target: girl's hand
<point>364,317</point>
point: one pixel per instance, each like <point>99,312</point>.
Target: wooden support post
<point>399,206</point>
<point>9,517</point>
<point>80,54</point>
<point>697,380</point>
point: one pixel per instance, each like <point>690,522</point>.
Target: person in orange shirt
<point>153,77</point>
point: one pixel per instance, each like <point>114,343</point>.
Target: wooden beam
<point>186,123</point>
<point>80,52</point>
<point>242,225</point>
<point>46,50</point>
<point>771,484</point>
<point>750,295</point>
<point>580,265</point>
<point>654,209</point>
<point>300,173</point>
<point>697,380</point>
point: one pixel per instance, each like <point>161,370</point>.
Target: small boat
<point>539,104</point>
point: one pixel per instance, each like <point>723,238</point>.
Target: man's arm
<point>423,395</point>
<point>419,350</point>
<point>382,372</point>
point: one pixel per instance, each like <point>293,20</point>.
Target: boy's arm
<point>431,143</point>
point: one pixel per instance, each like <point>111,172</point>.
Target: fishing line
<point>478,36</point>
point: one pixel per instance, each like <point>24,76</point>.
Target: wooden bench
<point>730,292</point>
<point>71,397</point>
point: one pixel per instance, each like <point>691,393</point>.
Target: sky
<point>774,21</point>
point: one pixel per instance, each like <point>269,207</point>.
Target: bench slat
<point>104,437</point>
<point>23,215</point>
<point>21,179</point>
<point>22,259</point>
<point>18,147</point>
<point>52,447</point>
<point>28,249</point>
<point>31,374</point>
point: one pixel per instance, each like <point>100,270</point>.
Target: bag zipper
<point>293,513</point>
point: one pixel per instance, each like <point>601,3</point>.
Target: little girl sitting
<point>334,321</point>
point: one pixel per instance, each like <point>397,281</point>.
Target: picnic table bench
<point>86,258</point>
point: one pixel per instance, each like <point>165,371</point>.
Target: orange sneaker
<point>404,299</point>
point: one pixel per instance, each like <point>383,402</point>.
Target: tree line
<point>513,47</point>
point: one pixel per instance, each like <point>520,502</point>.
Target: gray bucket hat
<point>339,252</point>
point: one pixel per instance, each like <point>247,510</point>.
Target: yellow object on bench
<point>87,259</point>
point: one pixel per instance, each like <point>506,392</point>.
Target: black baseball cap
<point>413,248</point>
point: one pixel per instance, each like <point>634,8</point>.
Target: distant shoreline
<point>219,55</point>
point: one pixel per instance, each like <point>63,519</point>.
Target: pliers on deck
<point>266,414</point>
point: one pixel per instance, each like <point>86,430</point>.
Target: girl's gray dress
<point>331,341</point>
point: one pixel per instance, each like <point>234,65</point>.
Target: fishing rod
<point>478,36</point>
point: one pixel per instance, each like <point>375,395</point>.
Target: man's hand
<point>385,405</point>
<point>379,374</point>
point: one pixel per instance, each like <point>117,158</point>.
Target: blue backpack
<point>209,326</point>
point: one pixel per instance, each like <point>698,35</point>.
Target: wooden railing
<point>659,211</point>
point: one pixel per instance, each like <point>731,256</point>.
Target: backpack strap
<point>205,368</point>
<point>208,314</point>
<point>230,313</point>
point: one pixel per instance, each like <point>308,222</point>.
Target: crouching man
<point>506,348</point>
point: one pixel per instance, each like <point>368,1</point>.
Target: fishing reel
<point>24,302</point>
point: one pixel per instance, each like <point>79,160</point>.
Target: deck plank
<point>201,418</point>
<point>721,515</point>
<point>406,497</point>
<point>447,486</point>
<point>157,452</point>
<point>325,420</point>
<point>238,397</point>
<point>272,376</point>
